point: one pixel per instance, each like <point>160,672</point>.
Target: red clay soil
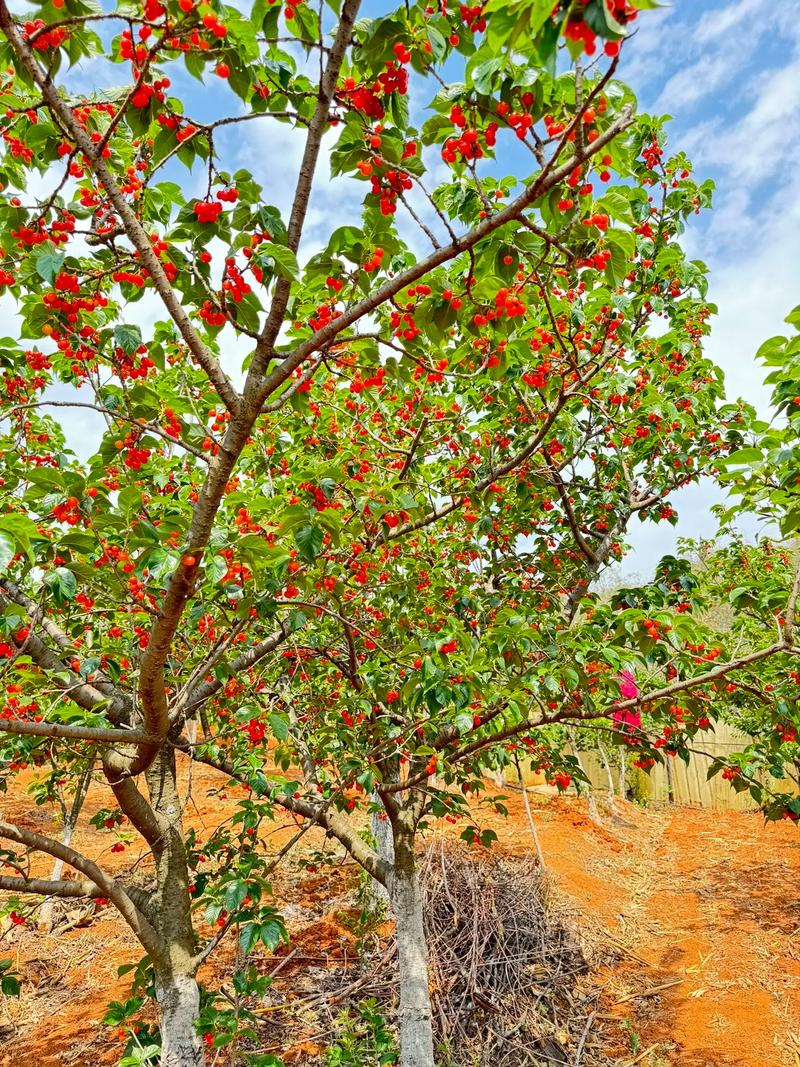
<point>697,911</point>
<point>705,908</point>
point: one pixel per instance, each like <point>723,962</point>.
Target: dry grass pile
<point>508,975</point>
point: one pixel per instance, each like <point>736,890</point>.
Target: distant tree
<point>754,584</point>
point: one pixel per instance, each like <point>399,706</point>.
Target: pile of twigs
<point>505,972</point>
<point>509,980</point>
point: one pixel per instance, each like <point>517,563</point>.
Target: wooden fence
<point>687,784</point>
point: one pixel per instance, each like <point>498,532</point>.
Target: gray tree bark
<point>384,845</point>
<point>415,1015</point>
<point>177,992</point>
<point>612,789</point>
<point>71,815</point>
<point>623,785</point>
<point>178,1000</point>
<point>670,780</point>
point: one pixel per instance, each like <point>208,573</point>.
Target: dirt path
<point>707,908</point>
<point>718,909</point>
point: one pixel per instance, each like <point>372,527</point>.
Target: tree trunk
<point>529,814</point>
<point>71,816</point>
<point>46,911</point>
<point>612,789</point>
<point>415,1014</point>
<point>670,780</point>
<point>584,788</point>
<point>178,1006</point>
<point>384,845</point>
<point>176,983</point>
<point>623,785</point>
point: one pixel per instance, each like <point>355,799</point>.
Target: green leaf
<point>279,725</point>
<point>48,264</point>
<point>217,569</point>
<point>284,259</point>
<point>488,837</point>
<point>140,1056</point>
<point>793,318</point>
<point>598,16</point>
<point>769,346</point>
<point>272,223</point>
<point>621,245</point>
<point>234,894</point>
<point>484,73</point>
<point>272,933</point>
<point>349,240</point>
<point>63,585</point>
<point>618,206</point>
<point>127,337</point>
<point>527,16</point>
<point>745,456</point>
<point>10,985</point>
<point>309,540</point>
<point>438,43</point>
<point>195,64</point>
<point>248,936</point>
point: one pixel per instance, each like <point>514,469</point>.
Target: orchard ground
<point>686,912</point>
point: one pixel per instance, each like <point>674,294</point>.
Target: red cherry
<point>223,70</point>
<point>189,561</point>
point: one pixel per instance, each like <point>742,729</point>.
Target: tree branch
<point>558,481</point>
<point>61,887</point>
<point>102,734</point>
<point>563,715</point>
<point>108,886</point>
<point>319,124</point>
<point>203,691</point>
<point>336,824</point>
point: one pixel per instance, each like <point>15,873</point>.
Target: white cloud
<point>694,82</point>
<point>733,85</point>
<point>643,56</point>
<point>721,21</point>
<point>759,145</point>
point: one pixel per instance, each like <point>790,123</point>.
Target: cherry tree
<point>338,532</point>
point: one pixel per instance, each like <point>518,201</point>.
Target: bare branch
<point>63,887</point>
<point>108,886</point>
<point>104,734</point>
